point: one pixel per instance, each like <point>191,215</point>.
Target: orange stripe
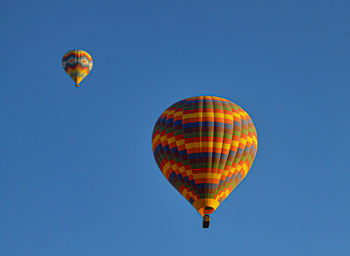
<point>198,119</point>
<point>208,180</point>
<point>203,149</point>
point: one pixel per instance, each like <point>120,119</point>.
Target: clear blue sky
<point>77,170</point>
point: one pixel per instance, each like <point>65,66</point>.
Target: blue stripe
<point>170,120</point>
<point>206,155</point>
<point>207,185</point>
<point>183,152</point>
<point>236,123</point>
<point>174,150</point>
<point>232,153</point>
<point>253,149</point>
<point>172,176</point>
<point>208,124</point>
<point>167,148</point>
<point>178,122</point>
<point>240,150</point>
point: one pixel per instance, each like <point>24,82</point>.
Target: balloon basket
<point>206,221</point>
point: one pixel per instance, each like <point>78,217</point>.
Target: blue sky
<point>77,170</point>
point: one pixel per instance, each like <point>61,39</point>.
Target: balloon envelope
<point>204,146</point>
<point>77,64</point>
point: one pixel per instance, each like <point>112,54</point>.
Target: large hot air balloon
<point>204,146</point>
<point>78,64</point>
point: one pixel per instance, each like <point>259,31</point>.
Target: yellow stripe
<point>255,140</point>
<point>243,141</point>
<point>189,172</point>
<point>207,145</point>
<point>163,138</point>
<point>192,115</point>
<point>171,140</point>
<point>208,114</point>
<point>171,112</point>
<point>231,171</point>
<point>250,139</point>
<point>235,143</point>
<point>226,146</point>
<point>236,115</point>
<point>165,168</point>
<point>245,170</point>
<point>177,114</point>
<point>224,173</point>
<point>175,167</point>
<point>180,142</point>
<point>155,140</point>
<point>182,170</point>
<point>165,113</point>
<point>207,176</point>
<point>206,202</point>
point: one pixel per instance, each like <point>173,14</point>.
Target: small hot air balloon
<point>204,146</point>
<point>77,64</point>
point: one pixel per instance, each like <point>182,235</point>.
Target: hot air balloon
<point>78,64</point>
<point>204,146</point>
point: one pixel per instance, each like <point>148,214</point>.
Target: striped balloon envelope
<point>77,64</point>
<point>204,146</point>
